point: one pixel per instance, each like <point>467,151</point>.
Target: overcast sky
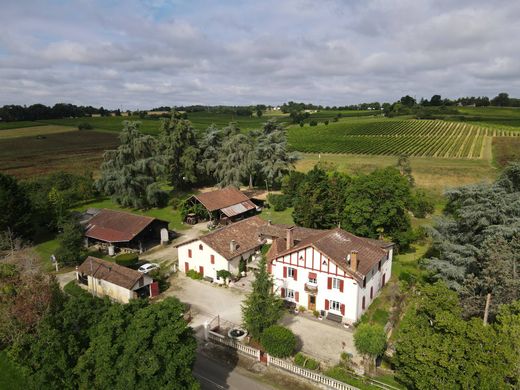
<point>141,54</point>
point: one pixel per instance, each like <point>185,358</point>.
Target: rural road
<point>212,375</point>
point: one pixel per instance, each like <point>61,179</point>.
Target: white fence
<point>250,351</point>
<point>316,377</point>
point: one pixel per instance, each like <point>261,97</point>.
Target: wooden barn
<point>117,230</point>
<point>224,205</point>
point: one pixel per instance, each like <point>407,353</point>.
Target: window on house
<point>313,280</point>
<point>379,266</point>
<point>290,294</point>
<point>364,282</point>
<point>212,258</point>
<point>189,253</point>
<point>335,283</point>
<point>335,305</point>
<point>291,272</point>
<point>200,247</point>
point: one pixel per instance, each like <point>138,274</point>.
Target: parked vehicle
<point>145,268</point>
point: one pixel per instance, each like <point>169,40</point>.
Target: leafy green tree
<point>179,151</point>
<point>437,349</point>
<point>262,308</point>
<point>370,341</point>
<point>377,204</point>
<point>312,208</point>
<point>502,100</point>
<point>129,174</point>
<point>15,218</point>
<point>291,182</point>
<point>71,250</point>
<point>152,347</point>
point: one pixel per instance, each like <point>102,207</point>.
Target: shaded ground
<point>324,340</point>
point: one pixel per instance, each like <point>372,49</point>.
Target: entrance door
<point>312,302</point>
<point>383,282</point>
<point>201,270</point>
<point>186,267</point>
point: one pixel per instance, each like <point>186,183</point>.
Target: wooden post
<point>486,310</point>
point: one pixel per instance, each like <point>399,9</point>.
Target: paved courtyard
<point>320,339</point>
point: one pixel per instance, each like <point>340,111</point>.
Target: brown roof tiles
<point>222,198</point>
<point>111,272</point>
<point>116,226</point>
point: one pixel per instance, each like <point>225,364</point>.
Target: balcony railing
<point>311,287</point>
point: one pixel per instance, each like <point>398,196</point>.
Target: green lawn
<point>12,376</point>
<point>19,124</point>
<point>45,247</point>
<point>284,217</point>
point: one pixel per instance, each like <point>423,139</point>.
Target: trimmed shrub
<point>194,274</point>
<point>127,259</point>
<point>224,274</point>
<point>278,341</point>
<point>313,123</point>
<point>279,202</point>
<point>85,126</point>
<point>306,362</point>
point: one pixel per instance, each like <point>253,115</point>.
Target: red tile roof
<point>336,245</point>
<point>111,272</point>
<point>222,198</point>
<point>116,226</point>
<point>244,233</point>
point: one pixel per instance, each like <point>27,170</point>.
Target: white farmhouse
<point>121,284</point>
<point>331,271</point>
<point>222,249</point>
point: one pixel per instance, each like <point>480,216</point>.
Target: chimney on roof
<point>353,260</point>
<point>289,238</point>
<point>232,246</point>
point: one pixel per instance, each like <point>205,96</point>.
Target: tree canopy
<point>130,173</point>
<point>476,245</point>
<point>262,307</point>
<point>15,218</point>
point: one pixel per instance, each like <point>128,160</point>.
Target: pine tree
<point>262,307</point>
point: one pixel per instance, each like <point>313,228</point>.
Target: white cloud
<point>146,53</point>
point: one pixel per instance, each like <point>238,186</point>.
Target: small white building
<point>331,271</point>
<point>119,283</point>
<point>222,249</point>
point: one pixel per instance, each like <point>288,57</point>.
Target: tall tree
<point>236,162</point>
<point>179,151</point>
<point>210,145</point>
<point>71,250</point>
<point>274,159</point>
<point>151,347</point>
<point>261,308</point>
<point>15,218</point>
<point>370,341</point>
<point>476,244</point>
<point>377,204</point>
<point>405,168</point>
<point>437,349</point>
<point>129,174</point>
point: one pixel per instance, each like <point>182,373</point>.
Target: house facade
<point>222,249</point>
<point>334,272</point>
<point>103,278</point>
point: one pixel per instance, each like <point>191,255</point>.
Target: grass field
<point>506,150</point>
<point>34,131</point>
<point>433,174</point>
<point>383,136</point>
<point>492,117</point>
<point>19,124</point>
<point>77,151</point>
<point>199,120</point>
